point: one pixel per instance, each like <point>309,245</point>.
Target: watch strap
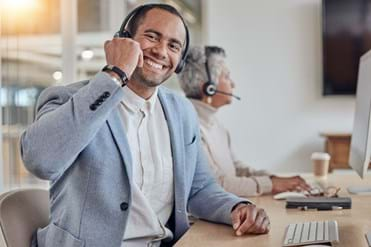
<point>119,72</point>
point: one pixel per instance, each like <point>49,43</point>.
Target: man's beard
<point>141,78</point>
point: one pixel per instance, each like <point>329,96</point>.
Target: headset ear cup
<point>209,88</point>
<point>180,66</point>
<point>125,34</point>
<point>122,34</point>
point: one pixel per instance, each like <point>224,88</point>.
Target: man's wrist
<point>240,203</point>
<point>114,78</point>
<point>116,73</point>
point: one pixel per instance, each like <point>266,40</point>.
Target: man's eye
<point>175,47</point>
<point>151,37</point>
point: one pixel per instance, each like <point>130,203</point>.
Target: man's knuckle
<point>252,206</point>
<point>250,221</point>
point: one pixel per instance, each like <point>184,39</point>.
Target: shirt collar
<point>136,103</point>
<point>206,113</point>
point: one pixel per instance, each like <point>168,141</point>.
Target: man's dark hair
<point>137,18</point>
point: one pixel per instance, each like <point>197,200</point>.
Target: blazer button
<point>106,94</point>
<point>93,107</point>
<point>124,206</point>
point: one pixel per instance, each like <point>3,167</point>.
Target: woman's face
<point>225,85</point>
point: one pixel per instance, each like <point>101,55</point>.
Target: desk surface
<point>353,223</point>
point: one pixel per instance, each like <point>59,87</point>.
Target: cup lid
<point>320,156</point>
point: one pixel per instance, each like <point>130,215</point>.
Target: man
<point>206,80</point>
<point>125,163</point>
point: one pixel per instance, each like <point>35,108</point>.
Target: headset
<point>123,33</point>
<point>209,87</point>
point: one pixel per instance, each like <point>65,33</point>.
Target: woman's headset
<point>123,33</point>
<point>209,87</point>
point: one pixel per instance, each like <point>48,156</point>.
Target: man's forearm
<point>65,125</point>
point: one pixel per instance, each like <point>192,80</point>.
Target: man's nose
<point>160,49</point>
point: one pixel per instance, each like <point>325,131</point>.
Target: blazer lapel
<point>176,137</point>
<point>119,135</point>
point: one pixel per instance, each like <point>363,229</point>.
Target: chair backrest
<point>21,213</point>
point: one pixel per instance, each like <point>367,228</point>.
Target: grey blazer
<point>78,143</point>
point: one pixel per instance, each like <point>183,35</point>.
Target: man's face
<point>161,36</point>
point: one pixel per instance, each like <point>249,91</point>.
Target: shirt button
<point>124,206</point>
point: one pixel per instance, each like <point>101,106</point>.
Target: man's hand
<point>124,53</point>
<point>249,219</point>
<point>281,184</point>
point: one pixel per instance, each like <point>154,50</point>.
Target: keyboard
<point>317,232</point>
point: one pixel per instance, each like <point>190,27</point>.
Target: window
<point>31,60</point>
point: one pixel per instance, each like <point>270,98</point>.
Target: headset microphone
<point>230,94</point>
<point>210,90</point>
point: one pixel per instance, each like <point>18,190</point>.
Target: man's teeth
<point>153,64</point>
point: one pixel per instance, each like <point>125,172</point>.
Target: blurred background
<point>50,42</point>
<point>275,51</point>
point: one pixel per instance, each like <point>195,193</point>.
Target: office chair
<point>22,211</point>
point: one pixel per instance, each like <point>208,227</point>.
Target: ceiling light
<point>87,54</point>
<point>57,75</point>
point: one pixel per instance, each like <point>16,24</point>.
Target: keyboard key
<point>298,232</point>
<point>305,235</point>
<point>290,233</point>
<point>333,233</point>
<point>312,231</point>
<point>326,230</point>
<point>320,231</point>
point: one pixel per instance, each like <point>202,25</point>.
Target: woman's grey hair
<point>194,72</point>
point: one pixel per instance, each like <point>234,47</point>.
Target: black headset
<point>209,87</point>
<point>123,33</point>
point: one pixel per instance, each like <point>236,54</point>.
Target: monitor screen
<point>360,147</point>
<point>346,26</point>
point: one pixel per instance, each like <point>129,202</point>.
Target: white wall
<point>274,52</point>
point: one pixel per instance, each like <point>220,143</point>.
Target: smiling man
<point>123,154</point>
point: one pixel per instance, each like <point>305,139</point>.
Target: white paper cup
<point>321,163</point>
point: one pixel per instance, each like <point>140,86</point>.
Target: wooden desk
<point>353,223</point>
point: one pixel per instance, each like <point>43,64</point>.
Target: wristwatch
<point>119,72</point>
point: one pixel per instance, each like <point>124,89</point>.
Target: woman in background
<point>206,81</point>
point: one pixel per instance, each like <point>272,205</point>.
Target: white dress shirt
<point>153,192</point>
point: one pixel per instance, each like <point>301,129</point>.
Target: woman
<point>206,82</point>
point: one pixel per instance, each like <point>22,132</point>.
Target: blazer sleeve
<point>65,124</point>
<point>207,199</point>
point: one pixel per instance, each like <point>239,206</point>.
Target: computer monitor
<point>360,147</point>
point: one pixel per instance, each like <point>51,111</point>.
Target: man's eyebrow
<point>153,31</point>
<point>160,35</point>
